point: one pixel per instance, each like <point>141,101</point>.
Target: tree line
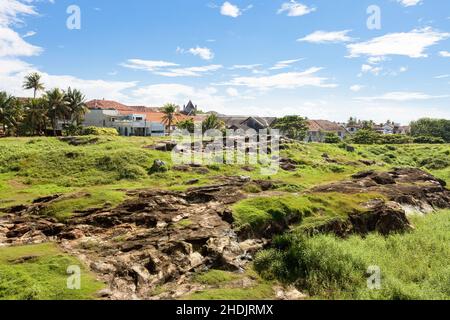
<point>33,116</point>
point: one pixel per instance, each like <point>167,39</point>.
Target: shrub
<point>428,140</point>
<point>394,139</point>
<point>96,131</point>
<point>366,136</point>
<point>332,138</point>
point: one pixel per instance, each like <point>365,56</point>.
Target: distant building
<point>131,120</point>
<point>318,130</point>
<point>189,109</point>
<point>245,122</point>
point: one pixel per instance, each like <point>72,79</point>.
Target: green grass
<point>258,292</point>
<point>216,277</point>
<point>413,265</point>
<point>308,209</point>
<point>44,277</point>
<point>64,208</point>
<point>222,287</point>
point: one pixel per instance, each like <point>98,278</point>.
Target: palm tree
<point>57,107</point>
<point>169,111</point>
<point>213,123</point>
<point>36,116</point>
<point>76,102</point>
<point>6,104</point>
<point>33,81</point>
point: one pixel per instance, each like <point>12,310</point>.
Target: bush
<point>394,139</point>
<point>332,138</point>
<point>366,136</point>
<point>96,131</point>
<point>414,265</point>
<point>428,140</point>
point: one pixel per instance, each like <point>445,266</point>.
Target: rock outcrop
<point>152,238</point>
<point>402,191</point>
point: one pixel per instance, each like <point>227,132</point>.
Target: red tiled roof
<point>324,125</point>
<point>107,104</point>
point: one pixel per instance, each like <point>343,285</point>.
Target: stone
<point>158,167</point>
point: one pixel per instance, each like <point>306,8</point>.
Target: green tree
<point>332,138</point>
<point>7,104</point>
<point>57,107</point>
<point>365,136</point>
<point>294,127</point>
<point>76,102</point>
<point>169,111</point>
<point>35,121</point>
<point>212,123</point>
<point>33,81</point>
<point>188,125</point>
<point>438,128</point>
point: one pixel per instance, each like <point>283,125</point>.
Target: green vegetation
<point>293,127</point>
<point>65,207</point>
<point>309,210</point>
<point>99,170</point>
<point>216,277</point>
<point>227,286</point>
<point>438,128</point>
<point>96,131</point>
<point>39,272</point>
<point>413,265</point>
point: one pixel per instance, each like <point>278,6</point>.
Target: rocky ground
<point>159,237</point>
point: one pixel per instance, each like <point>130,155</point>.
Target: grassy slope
<point>33,167</point>
<point>42,278</point>
<point>413,266</point>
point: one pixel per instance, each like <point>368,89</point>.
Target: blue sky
<point>316,58</point>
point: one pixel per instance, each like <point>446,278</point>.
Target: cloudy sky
<point>317,58</point>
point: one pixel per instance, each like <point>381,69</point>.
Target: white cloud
<point>442,76</point>
<point>288,80</point>
<point>445,54</point>
<point>411,44</point>
<point>232,92</point>
<point>148,65</point>
<point>158,94</point>
<point>327,37</point>
<point>230,10</point>
<point>12,45</point>
<point>356,88</point>
<point>190,71</point>
<point>401,96</point>
<point>13,71</point>
<point>10,10</point>
<point>409,3</point>
<point>367,68</point>
<point>245,66</point>
<point>29,34</point>
<point>204,53</point>
<point>169,69</point>
<point>376,60</point>
<point>295,9</point>
<point>284,64</point>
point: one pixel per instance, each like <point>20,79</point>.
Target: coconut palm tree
<point>36,116</point>
<point>6,103</point>
<point>76,102</point>
<point>169,111</point>
<point>33,81</point>
<point>212,123</point>
<point>57,107</point>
